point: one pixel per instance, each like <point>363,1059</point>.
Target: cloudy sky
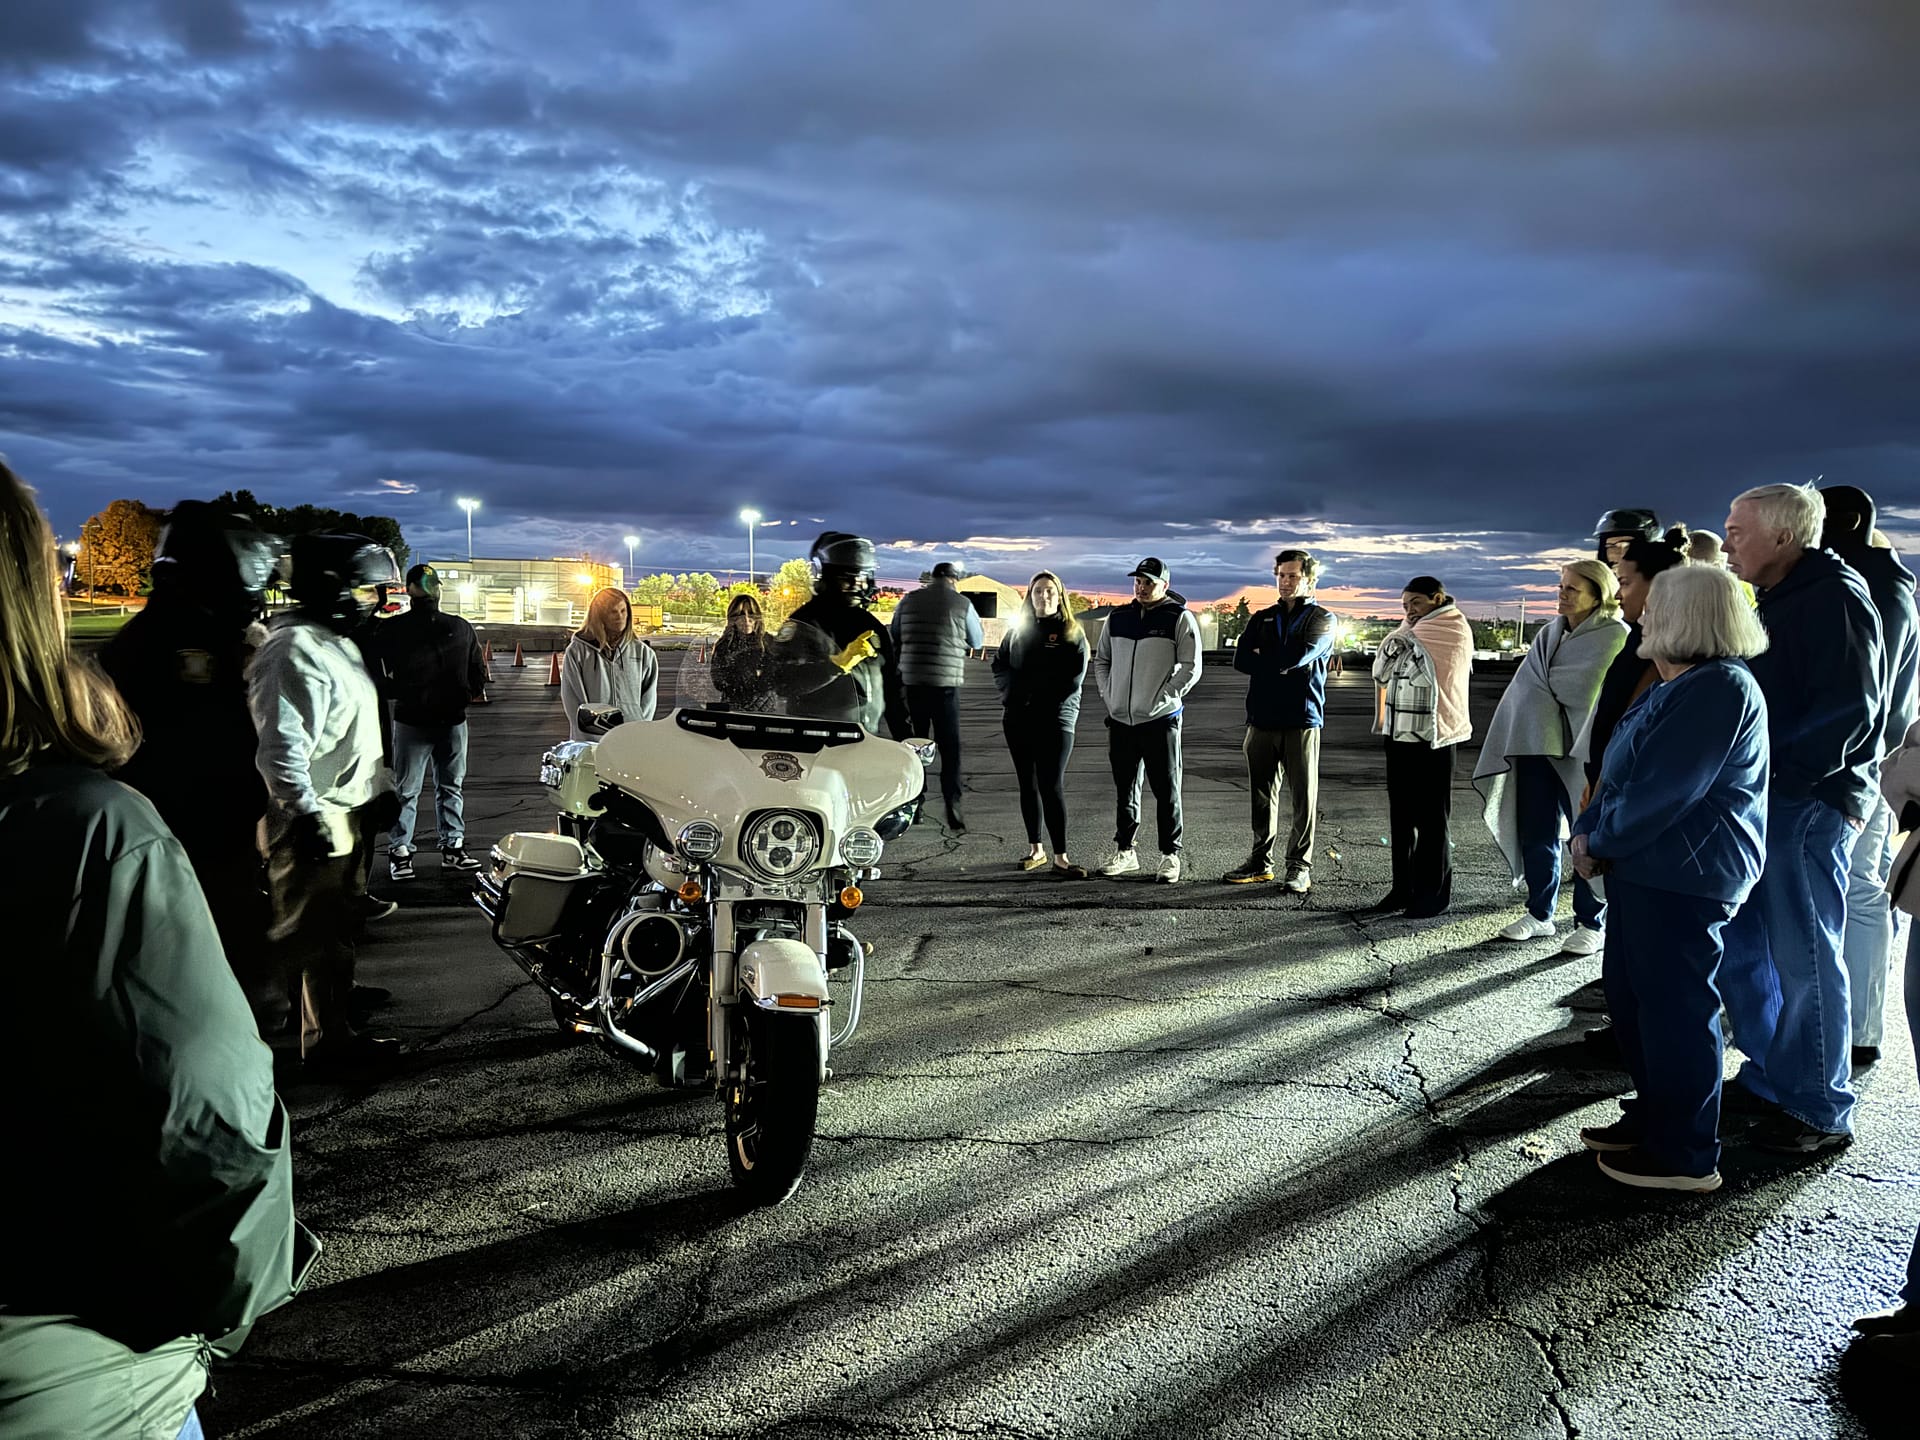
<point>1425,283</point>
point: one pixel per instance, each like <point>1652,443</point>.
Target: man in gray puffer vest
<point>934,630</point>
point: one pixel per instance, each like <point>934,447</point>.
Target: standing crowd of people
<point>1720,742</point>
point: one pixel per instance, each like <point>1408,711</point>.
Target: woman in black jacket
<point>1040,667</point>
<point>739,665</point>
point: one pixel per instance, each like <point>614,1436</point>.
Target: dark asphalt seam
<point>461,1024</point>
<point>854,1137</point>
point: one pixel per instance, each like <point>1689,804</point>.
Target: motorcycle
<point>692,912</point>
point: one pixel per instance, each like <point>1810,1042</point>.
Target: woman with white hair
<point>1528,773</point>
<point>1679,827</point>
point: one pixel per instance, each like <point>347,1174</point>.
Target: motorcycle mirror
<point>925,749</point>
<point>599,718</point>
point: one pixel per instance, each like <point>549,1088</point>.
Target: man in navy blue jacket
<point>1284,656</point>
<point>1823,675</point>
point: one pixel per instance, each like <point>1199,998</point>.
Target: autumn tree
<point>116,548</point>
<point>792,587</point>
<point>1076,602</point>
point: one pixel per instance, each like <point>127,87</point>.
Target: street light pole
<point>632,540</point>
<point>469,506</point>
<point>751,518</point>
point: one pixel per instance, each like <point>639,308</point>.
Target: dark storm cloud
<point>1181,280</point>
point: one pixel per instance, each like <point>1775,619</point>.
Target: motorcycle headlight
<point>781,843</point>
<point>860,848</point>
<point>700,840</point>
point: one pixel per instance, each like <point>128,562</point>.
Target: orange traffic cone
<point>519,659</point>
<point>553,674</point>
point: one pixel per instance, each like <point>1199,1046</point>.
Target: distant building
<point>523,592</point>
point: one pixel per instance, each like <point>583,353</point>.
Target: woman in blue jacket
<point>1678,827</point>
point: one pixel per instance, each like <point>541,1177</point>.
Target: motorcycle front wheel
<point>771,1115</point>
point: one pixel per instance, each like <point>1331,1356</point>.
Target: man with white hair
<point>1784,982</point>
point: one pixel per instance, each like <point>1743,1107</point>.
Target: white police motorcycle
<point>693,913</point>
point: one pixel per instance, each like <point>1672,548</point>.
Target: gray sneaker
<point>1298,882</point>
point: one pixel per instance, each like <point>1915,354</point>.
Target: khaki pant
<point>1292,755</point>
<point>316,918</point>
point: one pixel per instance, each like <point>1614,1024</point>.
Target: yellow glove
<point>861,647</point>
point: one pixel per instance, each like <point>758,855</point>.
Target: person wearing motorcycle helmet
<point>1618,529</point>
<point>832,659</point>
<point>181,665</point>
<point>328,790</point>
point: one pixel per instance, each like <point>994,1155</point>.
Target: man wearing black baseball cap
<point>428,664</point>
<point>1147,660</point>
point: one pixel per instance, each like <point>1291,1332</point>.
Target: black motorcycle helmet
<point>216,559</point>
<point>843,567</point>
<point>1631,524</point>
<point>336,578</point>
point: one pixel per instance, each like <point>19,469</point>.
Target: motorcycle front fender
<point>781,974</point>
<point>783,977</point>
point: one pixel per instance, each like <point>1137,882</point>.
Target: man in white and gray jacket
<point>328,788</point>
<point>1147,660</point>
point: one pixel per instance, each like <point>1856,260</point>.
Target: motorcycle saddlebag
<point>532,880</point>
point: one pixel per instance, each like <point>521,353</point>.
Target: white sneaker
<point>1584,941</point>
<point>1299,882</point>
<point>1169,870</point>
<point>1121,862</point>
<point>1527,928</point>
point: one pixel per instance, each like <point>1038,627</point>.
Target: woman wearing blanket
<point>1528,773</point>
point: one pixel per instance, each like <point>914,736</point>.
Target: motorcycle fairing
<point>686,775</point>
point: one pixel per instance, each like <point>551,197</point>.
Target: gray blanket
<point>1545,709</point>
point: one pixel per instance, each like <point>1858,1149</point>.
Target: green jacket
<point>151,1193</point>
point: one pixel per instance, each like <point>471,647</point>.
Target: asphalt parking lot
<point>1105,1159</point>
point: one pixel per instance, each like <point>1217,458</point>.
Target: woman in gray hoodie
<point>608,664</point>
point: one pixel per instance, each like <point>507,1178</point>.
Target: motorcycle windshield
<point>723,767</point>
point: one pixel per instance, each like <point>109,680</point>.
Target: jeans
<point>936,716</point>
<point>1154,747</point>
<point>1875,932</point>
<point>446,747</point>
<point>1292,756</point>
<point>1783,980</point>
<point>1540,803</point>
<point>1419,808</point>
<point>1663,950</point>
<point>1911,1292</point>
<point>1040,747</point>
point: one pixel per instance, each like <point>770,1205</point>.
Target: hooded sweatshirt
<point>1890,586</point>
<point>628,678</point>
<point>1147,660</point>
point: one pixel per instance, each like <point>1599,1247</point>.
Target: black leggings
<point>1040,749</point>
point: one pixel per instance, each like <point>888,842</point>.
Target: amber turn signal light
<point>691,892</point>
<point>851,897</point>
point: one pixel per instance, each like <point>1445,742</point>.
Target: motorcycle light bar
<point>765,732</point>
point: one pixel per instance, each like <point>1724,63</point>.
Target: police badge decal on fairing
<point>780,766</point>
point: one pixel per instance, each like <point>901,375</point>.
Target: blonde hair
<point>53,705</point>
<point>1704,548</point>
<point>602,618</point>
<point>1070,628</point>
<point>1601,577</point>
<point>1699,612</point>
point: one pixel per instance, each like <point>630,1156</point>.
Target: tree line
<point>116,548</point>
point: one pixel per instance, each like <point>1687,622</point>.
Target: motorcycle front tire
<point>770,1117</point>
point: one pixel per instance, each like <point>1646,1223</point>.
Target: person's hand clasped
<point>1584,864</point>
<point>861,647</point>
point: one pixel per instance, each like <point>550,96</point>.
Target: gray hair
<point>1800,510</point>
<point>1699,612</point>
